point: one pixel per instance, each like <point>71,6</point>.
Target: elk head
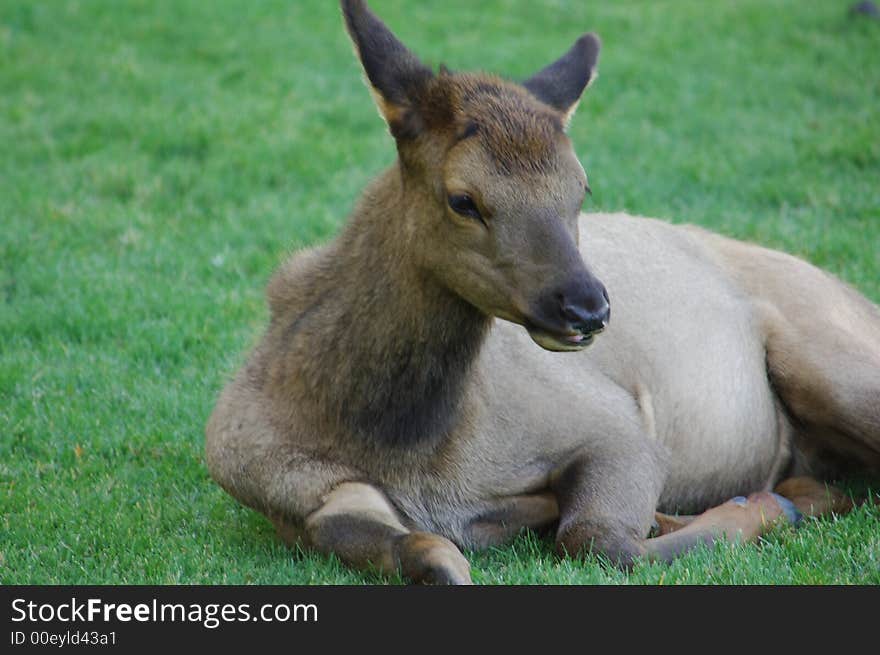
<point>493,189</point>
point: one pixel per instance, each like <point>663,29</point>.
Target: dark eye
<point>464,205</point>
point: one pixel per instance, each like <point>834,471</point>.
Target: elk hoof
<point>431,559</point>
<point>749,517</point>
<point>789,511</point>
<point>788,508</point>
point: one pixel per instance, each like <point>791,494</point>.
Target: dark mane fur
<point>378,349</point>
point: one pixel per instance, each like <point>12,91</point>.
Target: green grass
<point>158,158</point>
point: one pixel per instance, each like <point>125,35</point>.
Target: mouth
<point>560,341</point>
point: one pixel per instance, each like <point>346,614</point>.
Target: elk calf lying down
<point>425,383</point>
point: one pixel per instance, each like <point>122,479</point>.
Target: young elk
<point>389,417</point>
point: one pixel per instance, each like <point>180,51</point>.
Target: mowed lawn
<point>159,158</point>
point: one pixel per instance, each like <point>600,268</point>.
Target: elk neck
<point>384,352</point>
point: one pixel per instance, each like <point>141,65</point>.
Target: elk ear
<point>561,84</point>
<point>395,74</point>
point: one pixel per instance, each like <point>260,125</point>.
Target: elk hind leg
<point>823,354</point>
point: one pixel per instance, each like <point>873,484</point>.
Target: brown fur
<point>388,416</point>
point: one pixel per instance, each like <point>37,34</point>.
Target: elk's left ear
<point>561,84</point>
<point>395,74</point>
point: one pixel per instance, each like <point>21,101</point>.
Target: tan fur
<point>396,406</point>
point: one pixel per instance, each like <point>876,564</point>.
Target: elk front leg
<point>358,524</point>
<point>313,502</point>
<point>607,505</point>
<point>739,519</point>
<point>746,519</point>
<point>607,499</point>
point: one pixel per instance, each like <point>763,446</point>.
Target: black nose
<point>587,321</point>
<point>585,310</point>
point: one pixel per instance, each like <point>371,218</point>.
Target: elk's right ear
<point>395,74</point>
<point>561,84</point>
